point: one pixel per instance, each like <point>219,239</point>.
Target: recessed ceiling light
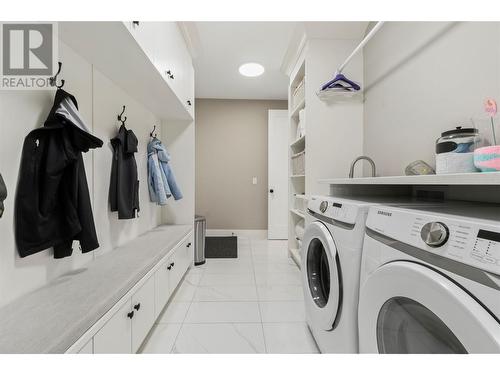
<point>251,70</point>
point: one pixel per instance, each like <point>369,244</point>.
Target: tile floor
<point>252,304</point>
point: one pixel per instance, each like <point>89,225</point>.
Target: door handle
<point>137,307</point>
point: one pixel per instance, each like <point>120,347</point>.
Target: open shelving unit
<point>297,185</point>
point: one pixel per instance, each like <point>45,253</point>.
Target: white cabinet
<point>181,260</point>
<point>164,44</point>
<point>145,33</point>
<point>115,335</point>
<point>88,348</point>
<point>143,306</point>
<point>162,286</point>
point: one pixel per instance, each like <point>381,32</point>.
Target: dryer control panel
<point>469,240</point>
<point>335,208</point>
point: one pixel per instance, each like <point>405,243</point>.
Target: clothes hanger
<point>122,118</point>
<point>337,82</point>
<point>53,80</point>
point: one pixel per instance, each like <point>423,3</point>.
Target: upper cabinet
<point>149,60</point>
<point>164,45</point>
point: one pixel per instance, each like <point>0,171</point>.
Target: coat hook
<point>53,80</point>
<point>124,118</point>
<point>152,131</point>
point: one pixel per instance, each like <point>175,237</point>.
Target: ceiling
<point>219,48</point>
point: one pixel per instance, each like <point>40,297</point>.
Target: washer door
<point>321,276</point>
<point>406,307</point>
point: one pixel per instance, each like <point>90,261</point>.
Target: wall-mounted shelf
<point>492,178</point>
<point>301,196</point>
<point>334,96</point>
<point>298,107</point>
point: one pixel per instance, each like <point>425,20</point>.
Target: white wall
<point>422,78</point>
<point>334,131</point>
<point>100,101</point>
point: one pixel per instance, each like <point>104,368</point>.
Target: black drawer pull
<point>137,307</point>
<point>130,315</point>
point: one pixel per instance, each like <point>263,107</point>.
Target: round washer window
<point>405,326</point>
<point>318,272</point>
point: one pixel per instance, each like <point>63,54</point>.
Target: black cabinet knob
<point>130,315</point>
<point>137,307</point>
<point>271,191</point>
<point>135,23</point>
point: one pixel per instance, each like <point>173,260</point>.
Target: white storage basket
<point>299,163</point>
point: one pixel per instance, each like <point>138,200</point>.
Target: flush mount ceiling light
<point>251,70</point>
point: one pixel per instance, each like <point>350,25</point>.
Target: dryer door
<point>321,276</point>
<point>406,307</point>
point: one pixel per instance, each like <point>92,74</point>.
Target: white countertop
<point>489,178</point>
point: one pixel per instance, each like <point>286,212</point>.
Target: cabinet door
<point>88,348</point>
<point>162,288</point>
<point>146,34</point>
<point>168,61</point>
<point>181,261</point>
<point>115,335</point>
<point>143,305</point>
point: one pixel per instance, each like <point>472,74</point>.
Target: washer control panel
<point>471,241</point>
<point>333,208</point>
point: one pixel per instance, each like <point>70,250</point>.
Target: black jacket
<point>52,205</point>
<point>3,194</point>
<point>124,186</point>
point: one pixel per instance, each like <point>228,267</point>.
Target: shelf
<point>295,255</point>
<point>340,96</point>
<point>300,196</point>
<point>298,176</point>
<point>112,49</point>
<point>299,143</point>
<point>298,107</point>
<point>491,178</point>
<point>298,213</point>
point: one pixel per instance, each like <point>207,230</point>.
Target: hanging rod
<point>360,46</point>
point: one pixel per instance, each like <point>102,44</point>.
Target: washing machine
<point>430,280</point>
<point>331,261</point>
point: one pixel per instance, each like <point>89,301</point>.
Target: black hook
<point>124,117</point>
<point>53,80</point>
<point>152,131</point>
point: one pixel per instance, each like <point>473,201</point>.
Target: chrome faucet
<point>353,164</point>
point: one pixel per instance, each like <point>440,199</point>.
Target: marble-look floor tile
<point>223,312</point>
<point>281,278</point>
<point>161,339</point>
<point>175,312</point>
<point>184,292</point>
<point>280,293</point>
<point>289,338</point>
<point>282,311</point>
<point>226,293</point>
<point>275,267</point>
<point>227,279</point>
<point>220,338</point>
<point>229,267</point>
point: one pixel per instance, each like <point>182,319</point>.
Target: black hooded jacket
<point>3,194</point>
<point>52,204</point>
<point>124,186</point>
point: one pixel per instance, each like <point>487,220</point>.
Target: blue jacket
<point>161,180</point>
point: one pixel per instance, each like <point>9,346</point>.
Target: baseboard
<point>258,234</point>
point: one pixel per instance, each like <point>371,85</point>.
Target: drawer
<point>143,306</point>
<point>162,286</point>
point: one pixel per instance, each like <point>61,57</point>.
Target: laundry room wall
<point>231,148</point>
<point>422,78</point>
<point>100,100</point>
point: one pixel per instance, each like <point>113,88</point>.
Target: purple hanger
<point>341,78</point>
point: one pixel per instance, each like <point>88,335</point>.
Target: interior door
<point>406,307</point>
<point>278,175</point>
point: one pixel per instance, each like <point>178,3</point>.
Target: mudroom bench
<point>108,306</point>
